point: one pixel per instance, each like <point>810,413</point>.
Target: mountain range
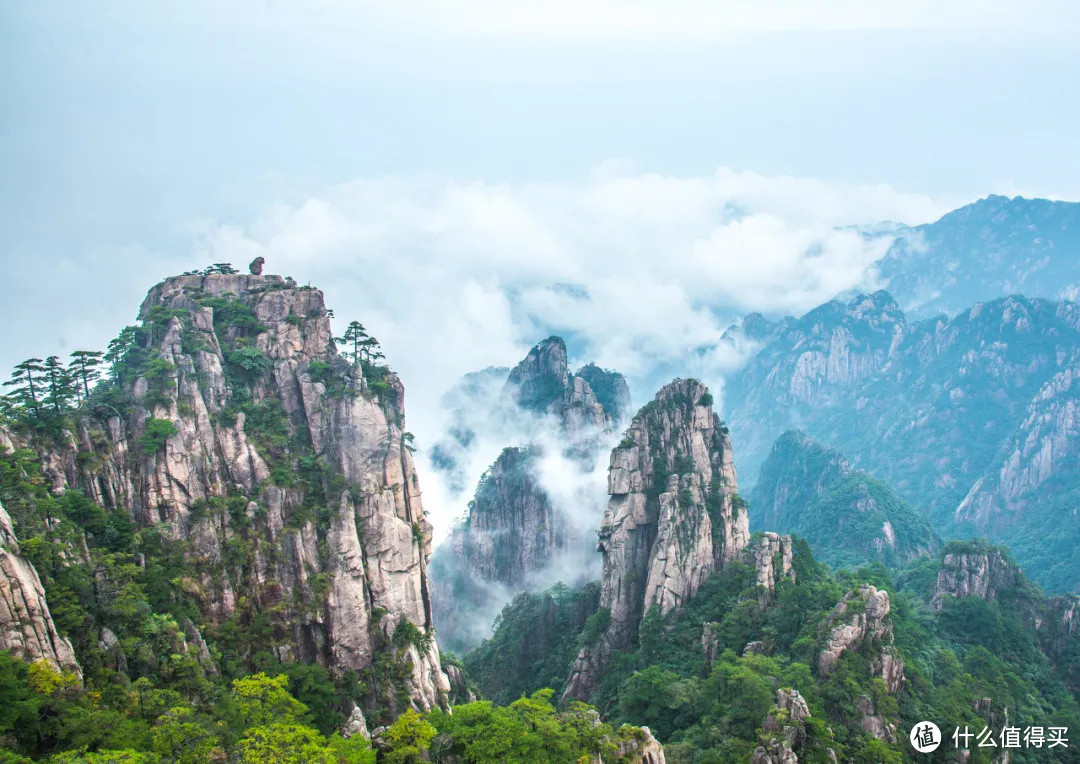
<point>213,543</point>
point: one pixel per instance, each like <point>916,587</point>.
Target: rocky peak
<point>860,621</point>
<point>543,384</point>
<point>673,517</point>
<point>26,625</point>
<point>975,569</point>
<point>771,555</point>
<point>246,429</point>
<point>514,537</point>
<point>611,391</point>
<point>784,733</point>
<point>542,377</point>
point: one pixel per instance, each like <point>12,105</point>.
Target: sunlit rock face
<point>280,448</point>
<point>673,518</point>
<point>26,625</point>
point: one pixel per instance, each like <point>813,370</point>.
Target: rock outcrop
<point>26,625</point>
<point>972,569</point>
<point>249,432</point>
<point>771,556</point>
<point>642,748</point>
<point>860,621</point>
<point>784,733</point>
<point>873,723</point>
<point>673,518</point>
<point>515,537</point>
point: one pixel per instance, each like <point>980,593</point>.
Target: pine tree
<point>29,387</point>
<point>118,348</point>
<point>60,385</point>
<point>369,350</point>
<point>84,369</point>
<point>357,336</point>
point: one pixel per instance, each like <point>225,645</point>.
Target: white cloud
<point>642,270</point>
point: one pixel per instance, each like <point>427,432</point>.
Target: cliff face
<point>509,542</point>
<point>515,537</point>
<point>26,626</point>
<point>861,621</point>
<point>847,516</point>
<point>512,529</point>
<point>285,468</point>
<point>974,411</point>
<point>673,518</point>
<point>975,571</point>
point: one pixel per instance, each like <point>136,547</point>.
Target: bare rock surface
<point>26,625</point>
<point>673,518</point>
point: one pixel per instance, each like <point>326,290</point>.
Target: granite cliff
<point>234,428</point>
<point>516,537</point>
<point>674,517</point>
<point>26,625</point>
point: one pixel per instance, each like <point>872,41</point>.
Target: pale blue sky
<point>437,167</point>
<point>440,169</point>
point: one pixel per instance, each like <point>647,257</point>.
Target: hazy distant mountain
<point>847,516</point>
<point>991,248</point>
<point>971,419</point>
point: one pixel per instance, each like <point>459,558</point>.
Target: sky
<point>466,178</point>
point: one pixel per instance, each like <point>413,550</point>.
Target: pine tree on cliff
<point>365,348</point>
<point>28,386</point>
<point>118,349</point>
<point>84,369</point>
<point>60,385</point>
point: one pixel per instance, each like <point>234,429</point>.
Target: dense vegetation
<point>938,409</point>
<point>163,680</point>
<point>714,711</point>
<point>847,516</point>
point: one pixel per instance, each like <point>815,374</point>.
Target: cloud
<point>642,271</point>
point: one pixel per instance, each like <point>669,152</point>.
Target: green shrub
<point>157,432</point>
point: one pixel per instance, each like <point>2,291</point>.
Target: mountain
<point>976,404</point>
<point>673,518</point>
<point>989,249</point>
<point>847,516</point>
<point>525,402</point>
<point>275,469</point>
<point>222,552</point>
<point>829,667</point>
<point>521,533</point>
